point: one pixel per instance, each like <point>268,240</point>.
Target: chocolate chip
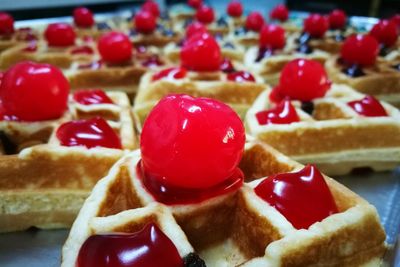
<point>307,106</point>
<point>9,146</point>
<point>305,49</point>
<point>263,53</point>
<point>193,260</point>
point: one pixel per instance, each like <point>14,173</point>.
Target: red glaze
<point>191,143</point>
<point>148,247</point>
<point>304,80</point>
<point>201,52</point>
<point>396,20</point>
<point>83,17</point>
<point>369,106</point>
<point>276,96</point>
<point>234,9</point>
<point>31,47</point>
<point>195,3</point>
<point>94,132</point>
<point>303,197</point>
<point>254,21</point>
<point>195,28</point>
<point>280,12</point>
<point>283,113</point>
<point>360,49</point>
<point>205,14</point>
<point>316,25</point>
<point>91,97</point>
<point>170,73</point>
<point>152,62</point>
<point>6,23</point>
<point>337,19</point>
<point>152,7</point>
<point>145,22</point>
<point>227,66</point>
<point>272,37</point>
<point>82,50</point>
<point>34,92</point>
<point>386,32</point>
<point>115,47</point>
<point>240,76</point>
<point>60,34</point>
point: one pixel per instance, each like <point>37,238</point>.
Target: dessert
<point>247,35</point>
<point>280,14</point>
<point>234,9</point>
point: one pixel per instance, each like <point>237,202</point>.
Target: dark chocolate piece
<point>9,146</point>
<point>263,53</point>
<point>193,260</point>
<point>307,106</point>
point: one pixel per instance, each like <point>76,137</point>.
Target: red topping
<point>115,47</point>
<point>152,7</point>
<point>6,23</point>
<point>195,3</point>
<point>83,17</point>
<point>280,12</point>
<point>303,197</point>
<point>171,73</point>
<point>337,19</point>
<point>241,76</point>
<point>90,133</point>
<point>369,106</point>
<point>191,143</point>
<point>316,25</point>
<point>227,66</point>
<point>60,34</point>
<point>31,47</point>
<point>195,28</point>
<point>303,79</point>
<point>276,96</point>
<point>152,62</point>
<point>205,14</point>
<point>145,22</point>
<point>91,97</point>
<point>272,37</point>
<point>283,113</point>
<point>82,50</point>
<point>360,49</point>
<point>234,9</point>
<point>254,21</point>
<point>201,52</point>
<point>396,20</point>
<point>386,32</point>
<point>34,92</point>
<point>149,247</point>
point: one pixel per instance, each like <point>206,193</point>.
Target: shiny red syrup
<point>91,97</point>
<point>86,50</point>
<point>227,66</point>
<point>170,73</point>
<point>31,47</point>
<point>283,113</point>
<point>90,133</point>
<point>149,247</point>
<point>240,76</point>
<point>369,106</point>
<point>152,62</point>
<point>303,197</point>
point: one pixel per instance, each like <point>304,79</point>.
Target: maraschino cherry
<point>195,3</point>
<point>240,76</point>
<point>60,34</point>
<point>369,106</point>
<point>6,23</point>
<point>83,17</point>
<point>195,28</point>
<point>227,66</point>
<point>280,12</point>
<point>254,21</point>
<point>303,197</point>
<point>396,19</point>
<point>152,7</point>
<point>115,47</point>
<point>205,14</point>
<point>272,37</point>
<point>316,25</point>
<point>360,50</point>
<point>386,32</point>
<point>91,97</point>
<point>145,22</point>
<point>148,247</point>
<point>33,92</point>
<point>283,113</point>
<point>234,9</point>
<point>170,73</point>
<point>337,19</point>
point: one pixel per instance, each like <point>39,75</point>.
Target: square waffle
<point>44,184</point>
<point>331,134</point>
<point>237,229</point>
<point>21,35</point>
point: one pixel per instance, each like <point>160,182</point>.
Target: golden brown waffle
<point>21,35</point>
<point>334,137</point>
<point>44,184</point>
<point>234,229</point>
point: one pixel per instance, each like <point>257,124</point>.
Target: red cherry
<point>201,52</point>
<point>283,113</point>
<point>83,17</point>
<point>195,28</point>
<point>148,247</point>
<point>280,12</point>
<point>145,22</point>
<point>195,3</point>
<point>337,19</point>
<point>94,132</point>
<point>152,7</point>
<point>234,9</point>
<point>369,106</point>
<point>205,14</point>
<point>115,47</point>
<point>34,92</point>
<point>227,66</point>
<point>240,76</point>
<point>396,20</point>
<point>192,142</point>
<point>386,32</point>
<point>91,97</point>
<point>170,73</point>
<point>60,34</point>
<point>303,197</point>
<point>276,96</point>
<point>360,49</point>
<point>6,23</point>
<point>316,25</point>
<point>254,21</point>
<point>303,79</point>
<point>82,50</point>
<point>272,37</point>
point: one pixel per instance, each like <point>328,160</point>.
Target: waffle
<point>234,229</point>
<point>21,35</point>
<point>334,137</point>
<point>44,184</point>
<point>159,38</point>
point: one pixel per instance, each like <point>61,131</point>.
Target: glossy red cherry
<point>272,37</point>
<point>115,47</point>
<point>276,95</point>
<point>83,17</point>
<point>254,21</point>
<point>34,92</point>
<point>6,23</point>
<point>192,142</point>
<point>91,97</point>
<point>60,34</point>
<point>227,66</point>
<point>152,7</point>
<point>205,14</point>
<point>316,25</point>
<point>195,3</point>
<point>234,9</point>
<point>303,79</point>
<point>396,20</point>
<point>82,50</point>
<point>145,22</point>
<point>360,49</point>
<point>195,28</point>
<point>337,19</point>
<point>283,113</point>
<point>90,133</point>
<point>201,52</point>
<point>386,32</point>
<point>148,247</point>
<point>280,12</point>
<point>240,76</point>
<point>303,197</point>
<point>170,73</point>
<point>369,106</point>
